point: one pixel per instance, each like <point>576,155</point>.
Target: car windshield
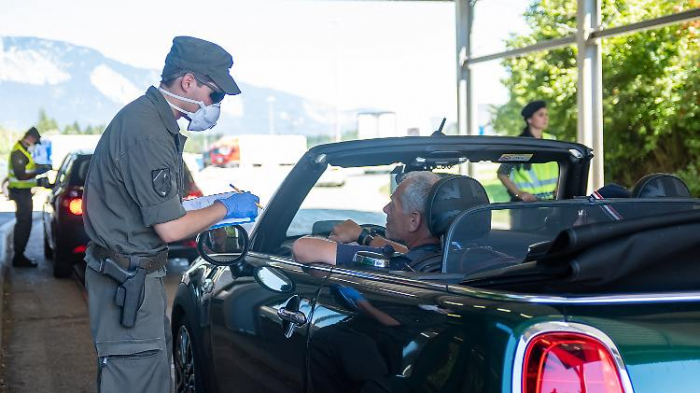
<point>360,194</point>
<point>497,236</point>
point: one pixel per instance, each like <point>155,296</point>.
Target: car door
<point>250,350</point>
<point>395,338</point>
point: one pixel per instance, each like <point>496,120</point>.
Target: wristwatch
<point>365,238</point>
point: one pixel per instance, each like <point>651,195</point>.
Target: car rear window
<point>78,173</point>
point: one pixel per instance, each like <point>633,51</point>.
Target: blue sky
<point>397,56</point>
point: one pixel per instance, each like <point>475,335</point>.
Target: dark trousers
<point>23,215</point>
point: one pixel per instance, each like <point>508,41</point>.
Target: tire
<point>62,262</point>
<point>187,359</point>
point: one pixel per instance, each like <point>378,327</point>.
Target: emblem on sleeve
<point>161,179</point>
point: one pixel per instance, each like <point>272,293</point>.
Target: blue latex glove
<point>241,205</point>
<point>352,295</point>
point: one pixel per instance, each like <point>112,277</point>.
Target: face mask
<point>31,149</point>
<point>204,119</point>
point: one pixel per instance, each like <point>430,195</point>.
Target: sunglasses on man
<point>216,94</point>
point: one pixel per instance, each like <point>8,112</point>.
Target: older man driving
<point>407,230</point>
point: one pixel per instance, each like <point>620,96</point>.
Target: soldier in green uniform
<point>133,208</point>
<point>21,178</point>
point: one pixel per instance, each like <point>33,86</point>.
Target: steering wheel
<point>325,227</point>
<point>375,229</point>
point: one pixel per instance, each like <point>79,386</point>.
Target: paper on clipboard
<point>206,201</point>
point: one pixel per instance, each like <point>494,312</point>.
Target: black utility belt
<point>129,263</point>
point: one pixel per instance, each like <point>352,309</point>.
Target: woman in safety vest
<point>532,182</point>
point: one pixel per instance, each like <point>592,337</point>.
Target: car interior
<point>487,240</point>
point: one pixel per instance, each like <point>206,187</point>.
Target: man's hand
<point>526,196</point>
<point>345,232</point>
<point>351,295</point>
<point>241,205</point>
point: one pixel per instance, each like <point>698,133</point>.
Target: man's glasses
<point>216,94</point>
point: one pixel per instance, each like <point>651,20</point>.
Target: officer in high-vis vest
<point>22,177</point>
<point>532,182</point>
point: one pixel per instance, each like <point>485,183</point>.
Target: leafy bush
<point>651,87</point>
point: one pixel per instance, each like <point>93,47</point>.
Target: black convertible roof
<point>383,151</point>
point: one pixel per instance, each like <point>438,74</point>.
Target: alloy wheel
<point>184,362</point>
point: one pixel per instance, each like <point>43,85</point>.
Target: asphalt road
<point>6,216</point>
<point>46,334</point>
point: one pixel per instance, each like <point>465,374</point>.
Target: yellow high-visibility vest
<point>541,180</point>
<point>31,166</point>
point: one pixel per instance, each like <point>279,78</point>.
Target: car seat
<point>660,185</point>
<point>449,197</point>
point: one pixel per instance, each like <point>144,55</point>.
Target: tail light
<point>191,243</point>
<point>74,205</point>
<point>193,192</point>
<point>569,362</point>
<point>80,249</point>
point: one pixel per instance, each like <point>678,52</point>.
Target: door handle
<point>291,316</point>
<point>296,317</point>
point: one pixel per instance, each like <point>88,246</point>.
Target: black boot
<point>20,260</point>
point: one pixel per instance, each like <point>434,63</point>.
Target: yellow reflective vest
<point>540,180</point>
<point>31,166</point>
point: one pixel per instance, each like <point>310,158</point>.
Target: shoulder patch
<point>161,180</point>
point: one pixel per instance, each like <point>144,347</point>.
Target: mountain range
<point>74,83</point>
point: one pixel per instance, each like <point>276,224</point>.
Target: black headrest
<point>660,185</point>
<point>449,197</point>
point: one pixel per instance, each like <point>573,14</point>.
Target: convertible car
<point>576,294</point>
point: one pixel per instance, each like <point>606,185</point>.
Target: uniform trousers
<point>23,216</point>
<point>133,359</point>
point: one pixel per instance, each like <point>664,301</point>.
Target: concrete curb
<point>6,232</point>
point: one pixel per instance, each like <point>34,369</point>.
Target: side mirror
<point>273,279</point>
<point>223,246</point>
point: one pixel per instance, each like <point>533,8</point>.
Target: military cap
<point>33,132</point>
<point>202,57</point>
<point>532,107</point>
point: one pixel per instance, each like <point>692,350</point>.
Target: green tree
<point>45,123</point>
<point>651,101</point>
<point>72,128</point>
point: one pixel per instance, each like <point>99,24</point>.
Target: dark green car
<point>576,294</point>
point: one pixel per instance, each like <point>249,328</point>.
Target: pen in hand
<point>236,189</point>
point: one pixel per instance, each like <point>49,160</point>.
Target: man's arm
<point>192,223</point>
<point>348,231</point>
<point>314,249</point>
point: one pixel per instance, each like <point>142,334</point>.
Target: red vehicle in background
<point>225,153</point>
<point>65,239</point>
<point>256,150</point>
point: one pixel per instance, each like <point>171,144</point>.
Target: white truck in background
<point>257,150</point>
<point>54,148</point>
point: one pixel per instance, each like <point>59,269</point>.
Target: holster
<point>130,272</point>
<point>131,291</point>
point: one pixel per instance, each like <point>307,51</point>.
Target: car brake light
<point>74,205</point>
<point>80,249</point>
<point>190,243</point>
<point>569,362</point>
<point>194,193</point>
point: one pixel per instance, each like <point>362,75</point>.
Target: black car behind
<point>65,240</point>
